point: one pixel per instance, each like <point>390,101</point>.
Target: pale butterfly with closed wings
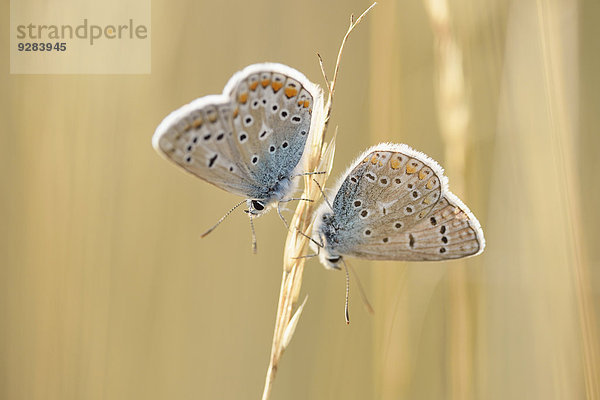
<point>249,140</point>
<point>393,203</point>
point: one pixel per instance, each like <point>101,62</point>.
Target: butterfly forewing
<point>394,205</point>
<point>237,141</point>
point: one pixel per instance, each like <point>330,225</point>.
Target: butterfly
<point>250,140</point>
<point>393,203</point>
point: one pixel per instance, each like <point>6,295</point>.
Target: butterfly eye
<point>334,260</point>
<point>257,205</point>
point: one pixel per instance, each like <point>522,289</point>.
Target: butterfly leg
<point>310,173</point>
<point>323,194</point>
<point>288,225</point>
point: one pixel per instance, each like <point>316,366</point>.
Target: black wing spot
<point>442,250</point>
<point>206,137</point>
<point>272,149</point>
<point>444,239</point>
<point>221,136</point>
<point>284,145</point>
<point>385,240</point>
<point>433,221</point>
<point>411,240</point>
<point>443,229</point>
<point>212,160</point>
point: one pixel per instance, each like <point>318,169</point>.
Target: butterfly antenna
<point>288,225</point>
<point>323,194</point>
<point>222,218</point>
<point>253,234</point>
<point>363,293</point>
<point>346,312</point>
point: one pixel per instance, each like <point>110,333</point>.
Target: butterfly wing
<point>237,141</point>
<point>394,204</point>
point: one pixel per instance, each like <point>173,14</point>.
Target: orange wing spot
<point>430,184</point>
<point>422,175</point>
<point>265,82</point>
<point>236,112</point>
<point>366,160</point>
<point>306,103</point>
<point>427,200</point>
<point>290,92</point>
<point>243,98</point>
<point>374,160</point>
<point>187,128</point>
<point>410,169</point>
<point>422,213</point>
<point>197,123</point>
<point>253,85</point>
<point>276,86</point>
<point>395,163</point>
<point>212,117</point>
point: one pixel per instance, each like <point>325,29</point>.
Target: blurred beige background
<point>107,291</point>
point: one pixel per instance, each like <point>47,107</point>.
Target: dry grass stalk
<point>318,159</point>
<point>454,116</point>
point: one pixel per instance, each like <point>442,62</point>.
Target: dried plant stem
<point>318,159</point>
<point>454,117</point>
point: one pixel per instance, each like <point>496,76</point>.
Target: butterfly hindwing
<point>272,118</point>
<point>393,204</point>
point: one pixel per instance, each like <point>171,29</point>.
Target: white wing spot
<point>371,176</point>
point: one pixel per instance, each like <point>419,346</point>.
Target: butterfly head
<point>324,231</point>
